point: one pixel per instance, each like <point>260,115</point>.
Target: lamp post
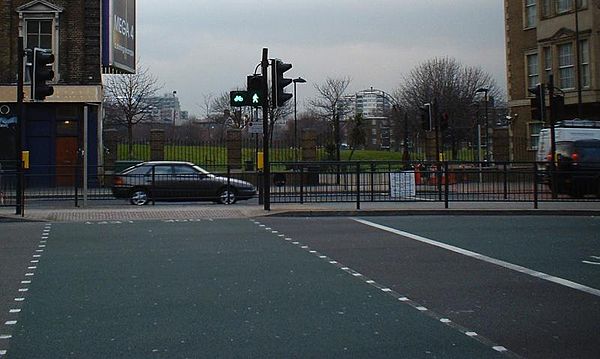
<point>578,60</point>
<point>485,90</point>
<point>295,81</point>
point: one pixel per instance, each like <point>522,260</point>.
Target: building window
<point>563,6</point>
<point>39,34</point>
<point>533,129</point>
<point>546,8</point>
<point>565,66</point>
<point>532,71</point>
<point>547,62</point>
<point>585,63</point>
<point>530,13</point>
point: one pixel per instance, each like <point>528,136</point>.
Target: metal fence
<point>427,181</point>
<point>318,182</point>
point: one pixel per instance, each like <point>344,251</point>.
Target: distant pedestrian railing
<point>350,181</point>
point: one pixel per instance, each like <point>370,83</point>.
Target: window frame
<point>530,16</point>
<point>528,75</point>
<point>584,63</point>
<point>570,67</point>
<point>42,11</point>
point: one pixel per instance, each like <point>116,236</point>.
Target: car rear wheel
<point>139,197</point>
<point>227,196</point>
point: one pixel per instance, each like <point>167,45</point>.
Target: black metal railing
<point>429,181</point>
<point>318,182</point>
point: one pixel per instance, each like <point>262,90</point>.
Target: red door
<point>66,160</point>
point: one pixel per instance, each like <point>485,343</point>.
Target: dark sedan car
<point>168,180</point>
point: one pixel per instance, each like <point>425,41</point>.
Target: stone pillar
<point>430,154</point>
<point>501,145</point>
<point>309,145</point>
<point>110,139</point>
<point>157,145</point>
<point>234,148</point>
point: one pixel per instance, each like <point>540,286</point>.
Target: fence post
<point>228,183</point>
<point>446,184</point>
<point>153,185</point>
<point>301,184</point>
<point>505,172</point>
<point>535,189</point>
<point>373,168</point>
<point>358,185</point>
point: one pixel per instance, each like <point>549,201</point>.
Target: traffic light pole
<point>552,121</point>
<point>265,109</point>
<point>19,207</point>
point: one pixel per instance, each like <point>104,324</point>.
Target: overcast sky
<point>199,47</point>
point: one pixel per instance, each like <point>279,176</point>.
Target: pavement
<point>186,211</point>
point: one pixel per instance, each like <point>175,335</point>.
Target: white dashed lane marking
<point>403,299</point>
<point>5,331</point>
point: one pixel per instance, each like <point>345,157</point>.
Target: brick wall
<point>79,54</point>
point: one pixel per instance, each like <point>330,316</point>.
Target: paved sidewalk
<point>202,211</point>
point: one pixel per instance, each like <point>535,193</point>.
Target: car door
<point>162,181</point>
<point>188,181</point>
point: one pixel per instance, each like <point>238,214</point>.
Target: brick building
<point>54,129</point>
<point>541,40</point>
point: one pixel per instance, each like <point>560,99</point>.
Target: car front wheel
<point>139,197</point>
<point>227,196</point>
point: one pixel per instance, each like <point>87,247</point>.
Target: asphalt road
<point>296,287</point>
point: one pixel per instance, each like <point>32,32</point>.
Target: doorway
<point>66,160</point>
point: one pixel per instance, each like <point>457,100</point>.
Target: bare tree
<point>358,133</point>
<point>126,100</point>
<point>452,88</point>
<point>329,105</point>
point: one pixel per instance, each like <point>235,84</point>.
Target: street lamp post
<point>485,90</point>
<point>295,81</point>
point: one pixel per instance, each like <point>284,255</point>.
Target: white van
<point>568,130</point>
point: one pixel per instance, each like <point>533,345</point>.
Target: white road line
<point>481,257</point>
<point>588,262</point>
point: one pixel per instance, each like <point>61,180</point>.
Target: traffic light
<point>255,91</point>
<point>41,72</point>
<point>538,103</point>
<point>280,97</point>
<point>558,106</point>
<point>445,121</point>
<point>239,98</point>
<point>425,121</point>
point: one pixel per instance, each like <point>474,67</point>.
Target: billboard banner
<point>118,53</point>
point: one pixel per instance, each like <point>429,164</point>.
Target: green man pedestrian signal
<point>41,73</point>
<point>255,91</point>
<point>280,97</point>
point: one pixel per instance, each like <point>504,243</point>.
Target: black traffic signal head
<point>256,93</point>
<point>537,103</point>
<point>41,72</point>
<point>280,97</point>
